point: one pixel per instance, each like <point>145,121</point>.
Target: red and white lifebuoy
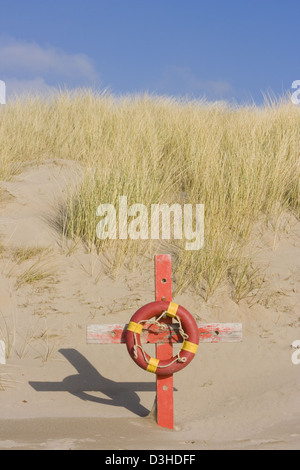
<point>189,346</point>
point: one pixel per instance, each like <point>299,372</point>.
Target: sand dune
<point>59,392</point>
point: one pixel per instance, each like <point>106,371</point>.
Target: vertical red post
<point>164,383</point>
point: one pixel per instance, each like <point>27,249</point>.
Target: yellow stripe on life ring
<point>135,327</point>
<point>190,347</point>
<point>172,309</point>
<point>152,366</point>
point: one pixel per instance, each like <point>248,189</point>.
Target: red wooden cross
<point>208,332</point>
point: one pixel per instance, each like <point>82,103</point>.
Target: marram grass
<point>241,163</point>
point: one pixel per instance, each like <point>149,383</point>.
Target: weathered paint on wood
<point>208,333</point>
<point>164,350</point>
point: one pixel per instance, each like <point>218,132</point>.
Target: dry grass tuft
<point>38,271</point>
<point>25,253</point>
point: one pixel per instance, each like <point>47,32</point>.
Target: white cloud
<point>29,67</point>
<point>17,57</point>
<point>182,80</point>
<point>34,86</point>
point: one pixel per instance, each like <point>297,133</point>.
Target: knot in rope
<point>164,327</point>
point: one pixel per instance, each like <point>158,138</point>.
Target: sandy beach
<point>58,392</point>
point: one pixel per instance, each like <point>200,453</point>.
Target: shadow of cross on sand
<point>89,379</point>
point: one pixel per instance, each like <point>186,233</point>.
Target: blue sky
<point>223,50</point>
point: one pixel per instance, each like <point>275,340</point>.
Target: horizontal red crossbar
<point>208,333</point>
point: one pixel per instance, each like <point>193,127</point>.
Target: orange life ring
<point>189,346</point>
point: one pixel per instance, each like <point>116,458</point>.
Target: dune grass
<point>38,271</point>
<point>241,163</point>
<point>22,253</point>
